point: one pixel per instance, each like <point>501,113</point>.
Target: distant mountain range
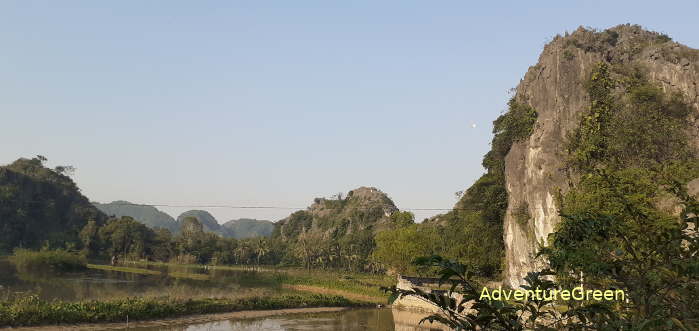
<point>247,227</point>
<point>154,218</point>
<point>147,215</point>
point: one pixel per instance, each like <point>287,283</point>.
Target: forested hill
<point>602,112</point>
<point>40,206</point>
<point>248,228</point>
<point>336,232</point>
<point>148,215</point>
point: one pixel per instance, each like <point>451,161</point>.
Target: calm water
<point>100,284</point>
<point>349,320</point>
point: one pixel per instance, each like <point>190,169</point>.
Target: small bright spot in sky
<point>473,125</point>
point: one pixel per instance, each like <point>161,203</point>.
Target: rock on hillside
<point>555,88</point>
<point>248,228</point>
<point>365,208</point>
<point>208,221</point>
<point>150,216</point>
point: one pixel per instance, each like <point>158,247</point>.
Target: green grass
<point>362,284</point>
<point>124,269</point>
<point>188,275</point>
<point>31,310</point>
<point>54,260</point>
<point>355,283</point>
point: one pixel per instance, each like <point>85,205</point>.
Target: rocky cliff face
<point>554,87</point>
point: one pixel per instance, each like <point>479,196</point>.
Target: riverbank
<point>186,320</point>
<point>30,310</point>
<point>347,284</point>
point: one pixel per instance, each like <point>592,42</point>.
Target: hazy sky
<point>277,102</point>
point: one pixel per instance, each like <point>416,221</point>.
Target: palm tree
<point>261,248</point>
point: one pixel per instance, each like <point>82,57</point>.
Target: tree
<point>243,253</point>
<point>163,248</point>
<point>90,239</point>
<point>261,247</point>
<point>613,234</point>
<point>65,170</point>
<point>396,249</point>
<point>127,237</point>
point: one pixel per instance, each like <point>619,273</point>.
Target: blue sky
<point>277,102</point>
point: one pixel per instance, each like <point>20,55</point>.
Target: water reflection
<point>347,320</point>
<point>173,281</point>
<point>101,284</point>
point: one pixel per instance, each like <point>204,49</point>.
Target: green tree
<point>614,235</point>
<point>398,248</point>
<point>90,239</point>
<point>127,237</point>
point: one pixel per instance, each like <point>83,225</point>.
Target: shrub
<point>56,260</point>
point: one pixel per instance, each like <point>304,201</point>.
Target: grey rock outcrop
<point>554,87</point>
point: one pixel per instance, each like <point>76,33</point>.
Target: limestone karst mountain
<point>536,170</point>
<point>154,218</point>
<point>248,228</point>
<point>208,221</point>
<point>148,215</point>
<point>336,232</point>
<point>362,209</point>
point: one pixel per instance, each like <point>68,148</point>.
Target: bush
<point>56,260</point>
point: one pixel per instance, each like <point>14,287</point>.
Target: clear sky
<point>278,102</point>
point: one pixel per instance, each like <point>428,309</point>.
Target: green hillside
<point>147,215</point>
<point>248,228</point>
<point>41,206</point>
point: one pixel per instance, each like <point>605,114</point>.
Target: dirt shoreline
<point>174,321</point>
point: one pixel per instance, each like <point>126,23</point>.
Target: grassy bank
<point>355,283</point>
<point>124,269</point>
<point>31,310</point>
<point>55,260</point>
<point>363,284</point>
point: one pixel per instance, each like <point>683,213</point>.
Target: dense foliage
<point>631,123</point>
<point>472,232</point>
<point>652,257</point>
<point>337,233</point>
<point>465,307</point>
<point>126,239</point>
<point>41,206</point>
<point>396,249</point>
<point>628,220</point>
